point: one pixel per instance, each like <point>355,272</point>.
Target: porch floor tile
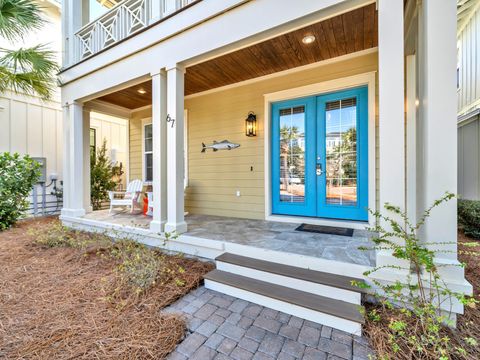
<point>263,234</point>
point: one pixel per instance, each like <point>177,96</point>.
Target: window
<point>147,153</point>
<point>93,142</point>
<point>97,8</point>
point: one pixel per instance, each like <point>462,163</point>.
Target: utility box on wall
<point>43,168</point>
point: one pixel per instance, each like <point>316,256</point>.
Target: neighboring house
<point>337,105</point>
<point>468,90</point>
<point>32,126</point>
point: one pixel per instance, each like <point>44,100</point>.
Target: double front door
<point>320,156</point>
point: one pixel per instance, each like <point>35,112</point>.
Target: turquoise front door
<point>320,156</point>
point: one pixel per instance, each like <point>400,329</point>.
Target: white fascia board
<point>170,42</point>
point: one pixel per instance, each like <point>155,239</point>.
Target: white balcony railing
<point>124,19</point>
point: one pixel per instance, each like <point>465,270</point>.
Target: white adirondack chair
<point>126,198</point>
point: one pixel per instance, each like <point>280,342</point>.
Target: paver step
<point>324,310</point>
<point>319,277</point>
<point>316,282</point>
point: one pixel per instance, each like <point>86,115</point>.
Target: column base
<point>178,228</point>
<point>157,226</point>
<point>73,212</point>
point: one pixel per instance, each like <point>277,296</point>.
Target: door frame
<point>368,79</point>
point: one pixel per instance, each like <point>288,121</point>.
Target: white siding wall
<point>469,65</point>
<point>468,160</point>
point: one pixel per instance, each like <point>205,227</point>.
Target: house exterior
<point>350,104</point>
<point>33,126</point>
<point>468,91</point>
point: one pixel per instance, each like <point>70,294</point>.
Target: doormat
<point>330,230</point>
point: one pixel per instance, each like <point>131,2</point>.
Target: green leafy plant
<point>418,308</point>
<point>25,70</point>
<point>104,175</point>
<point>469,217</point>
<point>17,176</point>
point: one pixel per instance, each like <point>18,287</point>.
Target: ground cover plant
<point>469,217</point>
<point>18,174</point>
<point>68,294</point>
<point>407,323</point>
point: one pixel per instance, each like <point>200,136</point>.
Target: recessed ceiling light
<point>142,91</point>
<point>308,39</point>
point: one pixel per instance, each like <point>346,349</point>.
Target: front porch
<point>265,235</point>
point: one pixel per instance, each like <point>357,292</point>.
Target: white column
<point>437,111</point>
<point>73,161</point>
<point>391,110</point>
<point>411,98</point>
<point>175,144</point>
<point>159,131</point>
<point>75,14</point>
<point>87,204</point>
<point>65,158</point>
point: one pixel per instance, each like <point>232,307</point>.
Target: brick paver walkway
<point>223,327</point>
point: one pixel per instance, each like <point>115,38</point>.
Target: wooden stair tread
<point>318,303</point>
<point>338,281</point>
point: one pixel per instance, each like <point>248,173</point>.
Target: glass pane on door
<point>292,154</point>
<point>341,152</point>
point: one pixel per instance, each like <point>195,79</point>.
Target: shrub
<point>415,308</point>
<point>469,217</point>
<point>104,176</point>
<point>17,177</point>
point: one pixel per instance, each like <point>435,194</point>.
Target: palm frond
<point>18,17</point>
<point>28,70</point>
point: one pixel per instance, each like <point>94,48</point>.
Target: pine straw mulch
<point>468,325</point>
<point>55,303</point>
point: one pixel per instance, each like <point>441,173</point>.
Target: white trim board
<point>318,89</point>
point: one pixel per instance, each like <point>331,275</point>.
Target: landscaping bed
<point>67,294</point>
<point>466,336</point>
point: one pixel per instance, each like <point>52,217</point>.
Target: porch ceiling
<point>343,34</point>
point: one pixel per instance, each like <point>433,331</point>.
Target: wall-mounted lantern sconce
<point>251,124</point>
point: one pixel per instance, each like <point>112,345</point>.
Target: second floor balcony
<point>121,20</point>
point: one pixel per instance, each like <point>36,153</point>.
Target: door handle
<point>319,170</point>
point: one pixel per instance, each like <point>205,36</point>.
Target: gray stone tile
<point>207,328</point>
<point>285,356</point>
<point>361,351</point>
<point>231,331</point>
<point>335,348</point>
<point>271,344</point>
<point>283,318</point>
<point>245,322</point>
<point>314,354</point>
<point>261,356</point>
<point>194,323</point>
<point>309,336</point>
<point>341,337</point>
<point>238,306</point>
<point>326,332</point>
<point>223,313</point>
<point>214,341</point>
<point>176,356</point>
<point>234,318</point>
<point>222,357</point>
<point>269,313</point>
<point>241,354</point>
<point>191,344</point>
<point>189,309</point>
<point>205,311</point>
<point>216,319</point>
<point>255,333</point>
<point>289,332</point>
<point>248,344</point>
<point>220,301</point>
<point>226,346</point>
<point>204,353</point>
<point>313,324</point>
<point>268,324</point>
<point>293,348</point>
<point>296,322</point>
<point>252,311</point>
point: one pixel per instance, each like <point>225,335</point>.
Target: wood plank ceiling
<point>343,34</point>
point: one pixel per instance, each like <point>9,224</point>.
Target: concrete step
<point>316,282</point>
<point>335,313</point>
